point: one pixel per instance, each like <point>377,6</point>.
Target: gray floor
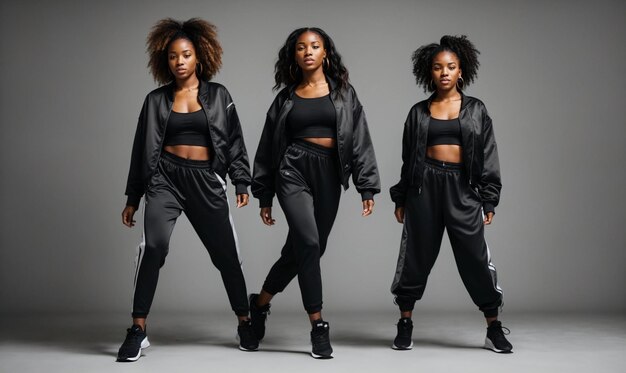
<point>193,343</point>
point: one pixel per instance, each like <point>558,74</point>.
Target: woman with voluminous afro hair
<point>188,139</point>
<point>315,136</point>
<point>460,46</point>
<point>450,180</point>
<point>202,35</point>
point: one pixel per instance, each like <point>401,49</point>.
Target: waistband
<point>444,166</point>
<point>313,148</point>
<point>184,162</point>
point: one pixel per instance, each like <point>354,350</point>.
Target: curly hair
<point>460,45</point>
<point>283,73</point>
<point>202,35</point>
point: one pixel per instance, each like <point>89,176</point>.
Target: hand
<point>127,216</point>
<point>399,213</point>
<point>242,200</point>
<point>368,207</point>
<point>488,218</point>
<point>266,216</point>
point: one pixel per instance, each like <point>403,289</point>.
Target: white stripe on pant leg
<point>230,218</point>
<point>140,251</point>
<point>492,268</point>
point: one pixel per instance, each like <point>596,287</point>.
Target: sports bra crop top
<point>444,132</point>
<point>312,117</point>
<point>187,129</point>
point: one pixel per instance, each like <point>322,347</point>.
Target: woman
<point>450,179</point>
<point>315,136</point>
<point>188,138</point>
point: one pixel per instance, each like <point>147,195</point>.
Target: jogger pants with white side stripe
<point>446,201</point>
<point>193,187</point>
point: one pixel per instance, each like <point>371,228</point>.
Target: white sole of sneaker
<point>402,348</point>
<point>489,346</point>
<point>316,356</point>
<point>144,344</point>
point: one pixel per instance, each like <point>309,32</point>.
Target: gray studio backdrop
<point>74,76</point>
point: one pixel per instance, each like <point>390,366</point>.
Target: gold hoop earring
<point>460,86</point>
<point>325,60</point>
<point>431,85</point>
<point>199,67</point>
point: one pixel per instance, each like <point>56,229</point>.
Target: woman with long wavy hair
<point>315,137</point>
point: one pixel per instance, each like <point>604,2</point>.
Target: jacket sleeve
<point>264,172</point>
<point>364,167</point>
<point>239,168</point>
<point>398,191</point>
<point>135,182</point>
<point>490,185</point>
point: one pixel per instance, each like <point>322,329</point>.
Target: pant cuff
<point>139,315</point>
<point>493,312</point>
<point>314,309</point>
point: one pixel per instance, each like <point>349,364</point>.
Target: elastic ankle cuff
<point>490,313</point>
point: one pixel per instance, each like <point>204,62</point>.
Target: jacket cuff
<point>265,202</point>
<point>241,189</point>
<point>489,207</point>
<point>367,195</point>
<point>133,201</point>
<point>398,204</point>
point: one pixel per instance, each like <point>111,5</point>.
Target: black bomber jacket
<point>229,151</point>
<point>480,152</point>
<point>354,145</point>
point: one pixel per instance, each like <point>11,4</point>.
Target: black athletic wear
<point>445,200</point>
<point>229,151</point>
<point>258,316</point>
<point>496,340</point>
<point>355,149</point>
<point>308,190</point>
<point>320,340</point>
<point>136,340</point>
<point>247,340</point>
<point>403,339</point>
<point>193,187</point>
<point>480,152</point>
<point>312,117</point>
<point>187,129</point>
<point>444,132</point>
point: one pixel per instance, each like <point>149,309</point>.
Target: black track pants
<point>193,187</point>
<point>446,201</point>
<point>308,190</point>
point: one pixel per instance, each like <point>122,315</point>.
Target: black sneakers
<point>258,315</point>
<point>247,339</point>
<point>135,341</point>
<point>496,340</point>
<point>403,339</point>
<point>320,340</point>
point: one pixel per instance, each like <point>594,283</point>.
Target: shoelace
<point>503,329</point>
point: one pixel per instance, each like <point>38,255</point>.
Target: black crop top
<point>187,129</point>
<point>444,132</point>
<point>312,117</point>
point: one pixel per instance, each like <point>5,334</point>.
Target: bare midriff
<point>327,142</point>
<point>193,152</point>
<point>445,153</point>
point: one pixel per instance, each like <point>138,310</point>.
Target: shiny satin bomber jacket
<point>229,151</point>
<point>480,151</point>
<point>354,145</point>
